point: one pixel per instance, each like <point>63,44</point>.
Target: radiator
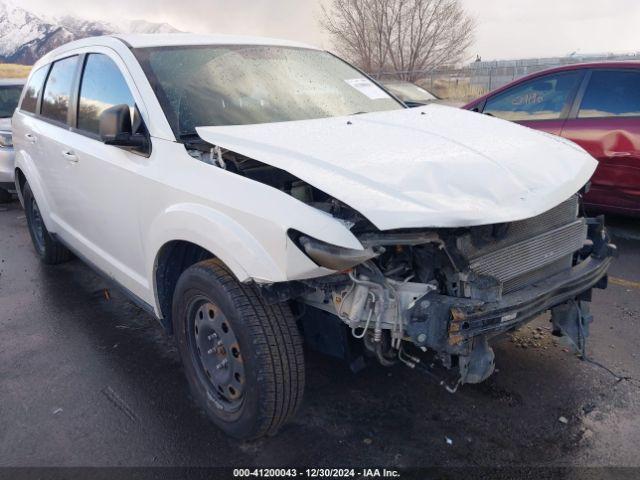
<point>531,254</point>
<point>532,249</point>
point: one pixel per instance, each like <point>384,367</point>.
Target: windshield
<point>242,85</point>
<point>409,92</point>
<point>9,96</point>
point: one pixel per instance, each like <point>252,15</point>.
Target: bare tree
<point>409,37</point>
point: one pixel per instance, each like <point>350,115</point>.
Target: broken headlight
<point>334,257</point>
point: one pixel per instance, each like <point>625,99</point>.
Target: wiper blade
<point>188,136</point>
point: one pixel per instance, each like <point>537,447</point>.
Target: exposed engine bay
<point>276,178</point>
<point>432,299</point>
<point>450,291</point>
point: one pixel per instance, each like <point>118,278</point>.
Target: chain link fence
<point>471,81</point>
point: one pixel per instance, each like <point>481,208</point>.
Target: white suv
<point>251,193</point>
<point>10,90</point>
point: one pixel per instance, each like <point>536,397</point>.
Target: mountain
<point>25,36</point>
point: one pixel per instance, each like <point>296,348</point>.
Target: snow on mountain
<point>18,27</point>
<point>25,36</point>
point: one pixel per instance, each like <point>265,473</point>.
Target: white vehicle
<point>10,90</point>
<point>252,192</point>
<point>412,95</point>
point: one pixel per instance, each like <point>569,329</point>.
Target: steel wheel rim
<point>217,355</point>
<point>37,225</point>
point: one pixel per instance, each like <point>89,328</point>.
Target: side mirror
<point>115,129</point>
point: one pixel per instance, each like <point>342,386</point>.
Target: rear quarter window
<point>612,93</point>
<point>32,90</point>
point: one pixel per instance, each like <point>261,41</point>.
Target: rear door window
<point>543,98</point>
<point>103,86</point>
<point>32,90</point>
<point>57,91</point>
<point>611,93</point>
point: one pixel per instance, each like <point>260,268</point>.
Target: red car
<point>596,105</point>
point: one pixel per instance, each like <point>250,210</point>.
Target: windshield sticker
<point>368,88</point>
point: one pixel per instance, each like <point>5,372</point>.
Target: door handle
<point>31,138</point>
<point>70,156</point>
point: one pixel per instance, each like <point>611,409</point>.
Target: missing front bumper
<point>459,329</point>
<point>517,308</point>
<point>449,324</point>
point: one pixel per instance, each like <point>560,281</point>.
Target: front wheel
<point>243,358</point>
<point>50,250</point>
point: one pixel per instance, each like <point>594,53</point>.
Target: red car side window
<point>612,93</point>
<point>543,98</point>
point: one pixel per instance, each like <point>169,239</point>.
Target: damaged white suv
<point>251,193</point>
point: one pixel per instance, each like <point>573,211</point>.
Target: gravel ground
<point>88,379</point>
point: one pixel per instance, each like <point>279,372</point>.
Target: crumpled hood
<point>432,166</point>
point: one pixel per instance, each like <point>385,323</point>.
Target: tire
<point>261,381</point>
<point>48,248</point>
<point>5,196</point>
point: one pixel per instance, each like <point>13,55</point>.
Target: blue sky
<point>505,28</point>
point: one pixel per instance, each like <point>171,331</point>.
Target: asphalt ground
<point>89,379</point>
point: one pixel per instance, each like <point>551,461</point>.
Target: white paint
<point>421,167</point>
<point>7,160</point>
<point>433,166</point>
<point>367,88</point>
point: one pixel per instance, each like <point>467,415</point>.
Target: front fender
<point>218,234</point>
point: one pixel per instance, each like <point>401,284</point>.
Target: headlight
<point>332,256</point>
<point>6,140</point>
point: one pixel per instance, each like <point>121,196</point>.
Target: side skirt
<point>112,282</point>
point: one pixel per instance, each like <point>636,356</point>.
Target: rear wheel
<point>48,248</point>
<point>5,196</point>
<point>243,359</point>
